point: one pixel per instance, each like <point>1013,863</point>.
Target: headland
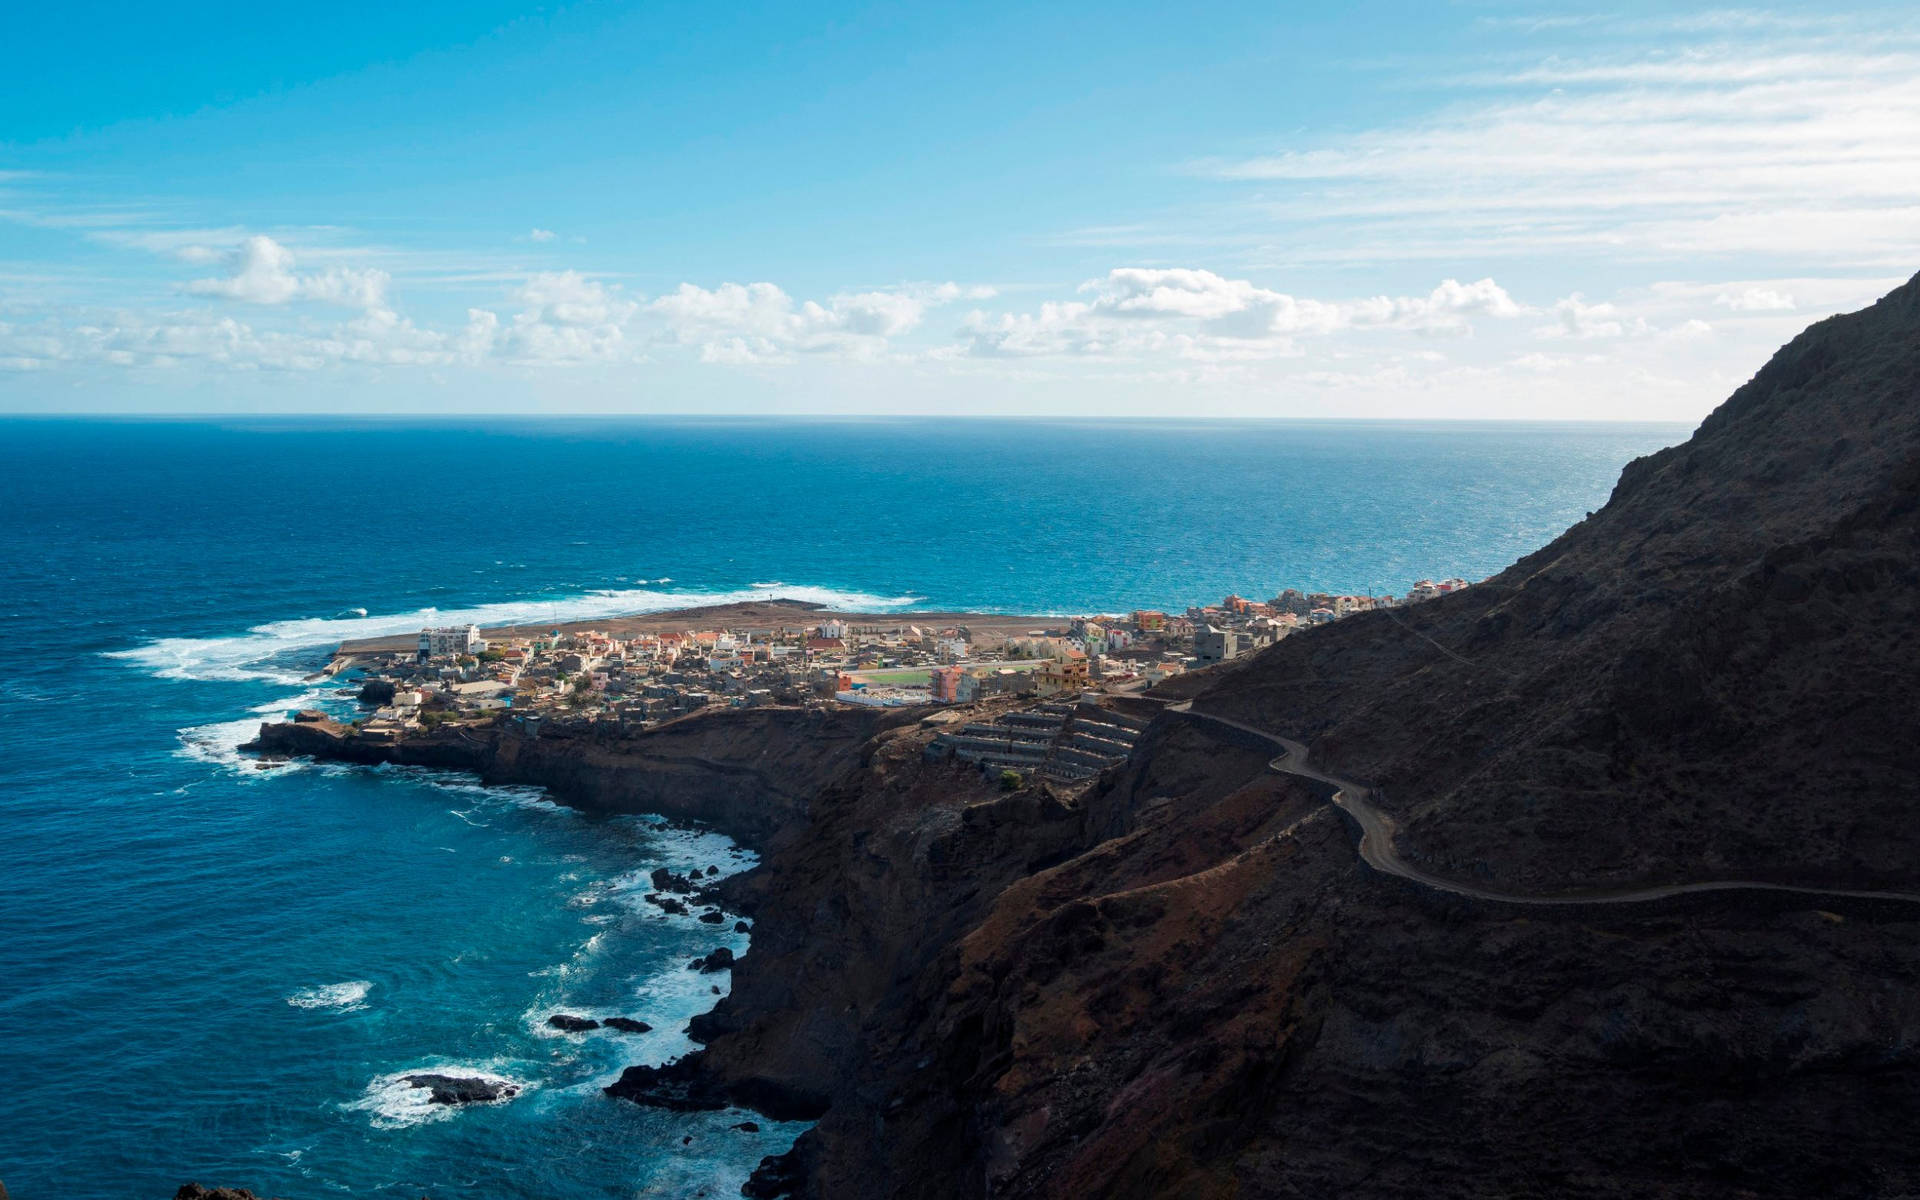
<point>990,966</point>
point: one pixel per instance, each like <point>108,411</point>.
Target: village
<point>640,680</point>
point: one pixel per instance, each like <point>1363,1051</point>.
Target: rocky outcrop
<point>463,1089</point>
<point>193,1191</point>
<point>746,772</point>
<point>707,964</point>
<point>627,1025</point>
<point>568,1023</point>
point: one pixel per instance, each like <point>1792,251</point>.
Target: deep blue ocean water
<point>213,972</point>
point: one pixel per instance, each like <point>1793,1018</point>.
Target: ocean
<point>214,972</point>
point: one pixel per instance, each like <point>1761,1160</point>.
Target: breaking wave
<point>272,652</point>
<point>219,743</point>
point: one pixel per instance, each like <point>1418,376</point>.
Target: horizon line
<point>108,415</point>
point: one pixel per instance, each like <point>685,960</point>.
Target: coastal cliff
<point>1182,979</point>
<point>748,773</point>
<point>1193,986</point>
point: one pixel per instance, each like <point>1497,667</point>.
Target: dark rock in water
<point>715,989</point>
<point>666,881</point>
<point>719,960</point>
<point>746,1127</point>
<point>468,1089</point>
<point>678,1087</point>
<point>573,1024</point>
<point>686,1141</point>
<point>667,903</point>
<point>713,870</point>
<point>742,927</point>
<point>777,1175</point>
<point>685,1086</point>
<point>193,1191</point>
<point>376,692</point>
<point>627,1025</point>
<point>714,916</point>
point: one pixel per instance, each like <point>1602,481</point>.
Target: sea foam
<point>219,743</point>
<point>259,654</point>
<point>390,1102</point>
<point>350,996</point>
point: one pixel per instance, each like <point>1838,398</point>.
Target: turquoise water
<point>214,972</point>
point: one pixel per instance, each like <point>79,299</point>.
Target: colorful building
<point>1148,620</point>
<point>954,685</point>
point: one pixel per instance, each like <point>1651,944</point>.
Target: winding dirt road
<point>1378,851</point>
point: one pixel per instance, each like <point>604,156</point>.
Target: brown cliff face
<point>746,772</point>
<point>1185,983</point>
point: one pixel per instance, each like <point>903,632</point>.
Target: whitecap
<point>256,654</point>
<point>350,996</point>
<point>219,742</point>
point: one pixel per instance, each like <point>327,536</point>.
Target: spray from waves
<point>350,996</point>
<point>392,1102</point>
<point>219,743</point>
<point>264,653</point>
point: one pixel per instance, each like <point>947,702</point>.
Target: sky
<point>1372,210</point>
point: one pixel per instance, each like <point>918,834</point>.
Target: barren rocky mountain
<point>1182,981</point>
<point>1717,674</point>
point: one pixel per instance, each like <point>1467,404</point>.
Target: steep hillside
<point>1183,980</point>
<point>1717,674</point>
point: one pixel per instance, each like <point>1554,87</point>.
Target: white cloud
<point>759,322</point>
<point>261,272</point>
<point>565,318</point>
<point>1579,319</point>
<point>1756,299</point>
<point>170,340</point>
<point>1196,313</point>
<point>541,235</point>
<point>1757,142</point>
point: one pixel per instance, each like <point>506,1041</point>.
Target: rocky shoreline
<point>1181,978</point>
<point>873,859</point>
<point>748,774</point>
<point>751,774</point>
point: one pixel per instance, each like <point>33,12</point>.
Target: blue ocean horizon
<point>217,972</point>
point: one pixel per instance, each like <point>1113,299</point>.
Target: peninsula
<point>1597,878</point>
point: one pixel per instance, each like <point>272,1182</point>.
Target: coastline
<point>785,783</point>
<point>776,614</point>
<point>747,775</point>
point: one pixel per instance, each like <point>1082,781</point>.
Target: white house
<point>449,641</point>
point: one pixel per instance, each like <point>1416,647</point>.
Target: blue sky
<point>1432,210</point>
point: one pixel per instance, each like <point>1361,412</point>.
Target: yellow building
<point>1062,675</point>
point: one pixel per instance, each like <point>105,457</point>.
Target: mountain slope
<point>1718,674</point>
<point>1184,981</point>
